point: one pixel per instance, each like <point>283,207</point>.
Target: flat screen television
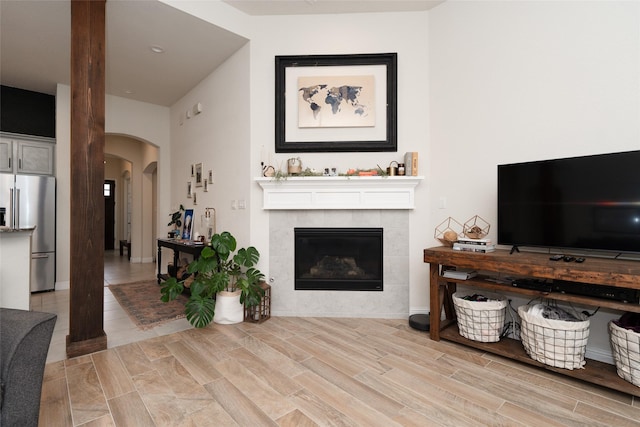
<point>588,203</point>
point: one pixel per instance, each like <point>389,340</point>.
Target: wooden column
<point>86,326</point>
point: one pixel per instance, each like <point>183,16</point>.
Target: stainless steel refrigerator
<point>30,201</point>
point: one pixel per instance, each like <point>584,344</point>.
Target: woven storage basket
<point>556,343</point>
<point>626,352</point>
<point>480,320</point>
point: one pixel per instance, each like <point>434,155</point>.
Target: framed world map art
<point>334,103</point>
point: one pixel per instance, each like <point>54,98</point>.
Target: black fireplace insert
<point>338,259</point>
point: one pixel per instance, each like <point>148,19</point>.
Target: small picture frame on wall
<point>189,189</point>
<point>195,198</point>
<point>198,174</point>
<point>210,176</point>
<point>206,185</point>
<point>193,170</point>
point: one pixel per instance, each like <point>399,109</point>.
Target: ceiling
<point>35,37</point>
<point>313,7</point>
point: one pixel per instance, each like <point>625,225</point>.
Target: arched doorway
<point>132,164</point>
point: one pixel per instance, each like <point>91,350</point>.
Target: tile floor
<point>117,324</point>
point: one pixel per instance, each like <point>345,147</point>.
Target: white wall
<point>521,81</point>
<point>219,138</point>
<point>479,83</point>
<point>404,33</point>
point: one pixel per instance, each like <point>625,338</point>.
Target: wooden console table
<point>178,246</point>
<point>598,271</point>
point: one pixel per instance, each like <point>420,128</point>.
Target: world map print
<point>337,101</point>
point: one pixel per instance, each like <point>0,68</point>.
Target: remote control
<point>556,257</point>
<point>579,259</point>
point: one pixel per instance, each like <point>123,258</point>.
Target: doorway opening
<point>109,214</point>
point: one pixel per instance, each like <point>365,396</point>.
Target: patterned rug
<point>141,300</point>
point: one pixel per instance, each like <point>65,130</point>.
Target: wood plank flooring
<point>300,372</point>
<point>316,372</point>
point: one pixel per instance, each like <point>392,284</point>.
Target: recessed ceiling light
<point>157,49</point>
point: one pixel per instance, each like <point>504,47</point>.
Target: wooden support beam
<point>86,326</point>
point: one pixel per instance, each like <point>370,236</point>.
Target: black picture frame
<point>315,140</point>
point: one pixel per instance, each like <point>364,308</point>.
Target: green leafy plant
<point>176,220</point>
<point>217,269</point>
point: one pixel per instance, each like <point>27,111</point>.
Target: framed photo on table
<point>187,224</point>
<point>336,103</point>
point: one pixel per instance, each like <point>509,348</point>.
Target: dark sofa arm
<point>24,343</point>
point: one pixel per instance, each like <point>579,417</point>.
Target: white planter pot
<point>228,308</point>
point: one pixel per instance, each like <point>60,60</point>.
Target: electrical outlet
<point>234,205</point>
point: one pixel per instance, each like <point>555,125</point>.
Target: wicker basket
<point>557,343</point>
<point>480,320</point>
<point>626,352</point>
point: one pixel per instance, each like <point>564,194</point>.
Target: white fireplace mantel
<point>339,192</point>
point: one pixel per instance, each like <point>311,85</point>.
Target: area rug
<point>141,301</point>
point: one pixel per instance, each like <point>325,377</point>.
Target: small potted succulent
<point>220,284</point>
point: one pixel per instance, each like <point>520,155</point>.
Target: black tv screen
<point>590,202</point>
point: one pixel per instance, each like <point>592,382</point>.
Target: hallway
<point>117,324</point>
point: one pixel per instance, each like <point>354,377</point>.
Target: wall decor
<point>189,189</point>
<point>198,174</point>
<point>210,176</point>
<point>336,103</point>
<point>193,170</point>
<point>206,185</point>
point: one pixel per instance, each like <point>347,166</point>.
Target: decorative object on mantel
<point>448,231</point>
<point>411,163</point>
<point>476,228</point>
<point>392,170</point>
<point>294,166</point>
<point>267,170</point>
<point>277,175</point>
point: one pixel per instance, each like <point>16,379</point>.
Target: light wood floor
<point>315,371</point>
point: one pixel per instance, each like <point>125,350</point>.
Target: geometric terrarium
<point>476,228</point>
<point>448,231</point>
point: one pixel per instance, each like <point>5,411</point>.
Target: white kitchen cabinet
<point>27,155</point>
<point>6,155</point>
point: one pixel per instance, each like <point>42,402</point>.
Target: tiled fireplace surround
<point>386,205</point>
<point>392,302</point>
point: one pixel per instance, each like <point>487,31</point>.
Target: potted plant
<point>176,221</point>
<point>217,275</point>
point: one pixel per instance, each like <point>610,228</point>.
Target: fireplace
<point>338,259</point>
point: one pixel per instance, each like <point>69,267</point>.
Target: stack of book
<point>411,163</point>
<point>474,245</point>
